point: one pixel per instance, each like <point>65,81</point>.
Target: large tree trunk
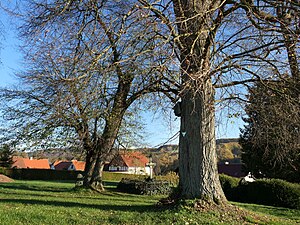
<point>197,146</point>
<point>105,143</point>
<point>102,152</point>
<point>89,166</point>
<point>96,179</point>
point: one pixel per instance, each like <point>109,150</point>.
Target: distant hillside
<point>57,154</point>
<point>226,140</point>
<point>229,152</point>
<point>166,156</point>
<point>167,148</point>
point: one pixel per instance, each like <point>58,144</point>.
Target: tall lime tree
<point>217,44</point>
<point>220,45</point>
<point>89,66</point>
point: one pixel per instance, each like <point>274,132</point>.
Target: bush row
<point>40,174</point>
<point>47,174</point>
<point>145,187</point>
<point>273,192</point>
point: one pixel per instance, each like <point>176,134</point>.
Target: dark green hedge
<point>41,174</point>
<point>45,174</point>
<point>273,192</point>
<point>229,185</point>
<point>145,187</point>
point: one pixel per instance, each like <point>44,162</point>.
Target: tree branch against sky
<point>271,136</point>
<point>133,48</point>
<point>220,46</point>
<point>89,63</point>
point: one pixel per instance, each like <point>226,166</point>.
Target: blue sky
<point>157,130</point>
<point>10,57</point>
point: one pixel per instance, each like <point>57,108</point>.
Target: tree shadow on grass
<point>34,188</point>
<point>109,193</point>
<point>105,196</point>
<point>273,210</point>
<point>104,207</point>
<point>111,184</point>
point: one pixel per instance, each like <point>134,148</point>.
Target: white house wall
<point>130,170</point>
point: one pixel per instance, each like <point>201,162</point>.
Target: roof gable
<point>21,163</point>
<point>134,159</point>
<point>66,165</point>
<point>79,165</point>
<point>62,165</point>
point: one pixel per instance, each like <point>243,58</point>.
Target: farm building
<point>129,162</point>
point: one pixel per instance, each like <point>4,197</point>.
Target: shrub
<point>171,177</point>
<point>3,170</point>
<point>144,187</point>
<point>272,192</point>
<point>41,174</point>
<point>114,176</point>
<point>229,184</point>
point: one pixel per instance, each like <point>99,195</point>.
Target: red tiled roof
<point>134,159</point>
<point>79,165</point>
<point>64,165</point>
<point>19,163</point>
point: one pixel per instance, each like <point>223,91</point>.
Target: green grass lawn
<point>41,202</point>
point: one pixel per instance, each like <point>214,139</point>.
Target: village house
<point>73,165</point>
<point>29,163</point>
<point>129,162</point>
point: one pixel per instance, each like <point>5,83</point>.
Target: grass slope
<point>40,202</point>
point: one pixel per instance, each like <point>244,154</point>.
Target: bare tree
<point>220,45</point>
<point>89,63</point>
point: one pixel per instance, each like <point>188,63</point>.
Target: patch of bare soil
<point>229,213</point>
<point>5,179</point>
<point>226,212</point>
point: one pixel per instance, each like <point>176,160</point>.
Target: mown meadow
<point>44,202</point>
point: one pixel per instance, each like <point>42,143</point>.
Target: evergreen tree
<point>6,156</point>
<point>270,141</point>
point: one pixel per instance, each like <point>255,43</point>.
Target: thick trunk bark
<point>88,147</point>
<point>96,179</point>
<point>98,157</point>
<point>104,145</point>
<point>103,153</point>
<point>89,167</point>
<point>197,146</point>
